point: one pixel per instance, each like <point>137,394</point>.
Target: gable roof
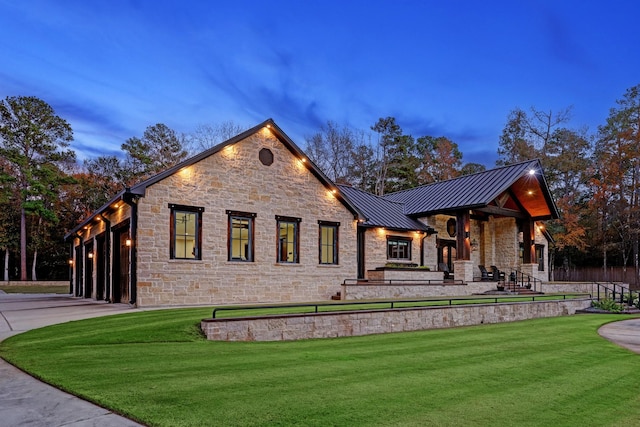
<point>139,189</point>
<point>528,190</point>
<point>380,212</point>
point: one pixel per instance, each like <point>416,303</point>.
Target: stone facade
<point>235,179</point>
<point>368,291</point>
<point>331,325</point>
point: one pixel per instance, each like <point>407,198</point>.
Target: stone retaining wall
<point>346,324</point>
<point>362,291</point>
<point>36,283</point>
<point>566,287</point>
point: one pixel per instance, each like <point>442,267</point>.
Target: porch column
<point>463,265</point>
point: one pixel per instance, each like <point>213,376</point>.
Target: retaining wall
<point>347,324</point>
<point>362,291</point>
<point>35,283</point>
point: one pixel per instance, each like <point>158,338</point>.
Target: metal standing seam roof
<point>468,191</point>
<point>380,212</point>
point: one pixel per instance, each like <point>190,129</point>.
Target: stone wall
<point>376,248</point>
<point>36,283</point>
<point>416,274</point>
<point>365,291</point>
<point>568,287</point>
<point>235,179</point>
<point>330,325</point>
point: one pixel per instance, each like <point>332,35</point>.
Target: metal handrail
<point>618,289</point>
<point>516,276</point>
<point>394,304</point>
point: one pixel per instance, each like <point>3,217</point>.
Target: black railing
<point>615,291</point>
<point>518,278</point>
<point>396,304</point>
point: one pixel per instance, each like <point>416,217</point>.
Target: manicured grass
<point>19,289</point>
<point>156,367</point>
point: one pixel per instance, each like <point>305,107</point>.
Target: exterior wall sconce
<point>70,261</point>
<point>90,255</point>
<point>474,245</point>
<point>127,242</point>
<point>467,234</point>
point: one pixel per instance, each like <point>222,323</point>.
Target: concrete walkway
<point>625,333</point>
<point>25,401</point>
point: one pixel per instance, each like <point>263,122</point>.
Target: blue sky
<point>441,68</point>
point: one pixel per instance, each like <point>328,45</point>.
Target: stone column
<point>463,270</point>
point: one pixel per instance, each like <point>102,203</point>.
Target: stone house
<point>252,220</point>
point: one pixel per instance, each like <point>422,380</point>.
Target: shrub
<point>607,305</point>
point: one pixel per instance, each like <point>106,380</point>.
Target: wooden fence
<point>598,274</point>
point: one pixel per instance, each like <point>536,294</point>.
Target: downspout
<point>107,258</point>
<point>132,200</point>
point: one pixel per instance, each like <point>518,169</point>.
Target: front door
<point>447,253</point>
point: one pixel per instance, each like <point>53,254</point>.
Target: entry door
<point>447,252</point>
<point>121,268</point>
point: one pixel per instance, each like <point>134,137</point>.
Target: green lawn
<point>156,367</point>
<point>19,289</point>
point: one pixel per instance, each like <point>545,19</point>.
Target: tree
<point>387,130</point>
<point>525,136</point>
<point>158,149</point>
<point>331,149</point>
<point>441,159</point>
<point>206,136</point>
<point>567,161</point>
<point>617,181</point>
<point>33,142</point>
<point>104,177</point>
<point>471,168</point>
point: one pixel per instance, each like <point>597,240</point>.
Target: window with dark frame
<point>186,232</point>
<point>399,248</point>
<point>288,239</point>
<point>540,257</point>
<point>240,236</point>
<point>328,242</point>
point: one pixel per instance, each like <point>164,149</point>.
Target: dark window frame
<point>250,246</point>
<point>198,211</point>
<point>335,244</point>
<point>397,240</point>
<point>540,257</point>
<point>281,220</point>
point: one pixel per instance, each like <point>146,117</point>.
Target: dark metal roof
<point>380,212</point>
<point>472,191</point>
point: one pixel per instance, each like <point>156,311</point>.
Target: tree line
<point>593,176</point>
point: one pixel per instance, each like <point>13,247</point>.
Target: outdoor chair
<point>485,275</point>
<point>498,276</point>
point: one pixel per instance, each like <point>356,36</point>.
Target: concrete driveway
<point>25,401</point>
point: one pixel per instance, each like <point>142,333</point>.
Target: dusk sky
<point>441,68</point>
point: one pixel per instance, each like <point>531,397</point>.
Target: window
<point>398,248</point>
<point>288,239</point>
<point>540,257</point>
<point>328,242</point>
<point>186,232</point>
<point>240,236</point>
